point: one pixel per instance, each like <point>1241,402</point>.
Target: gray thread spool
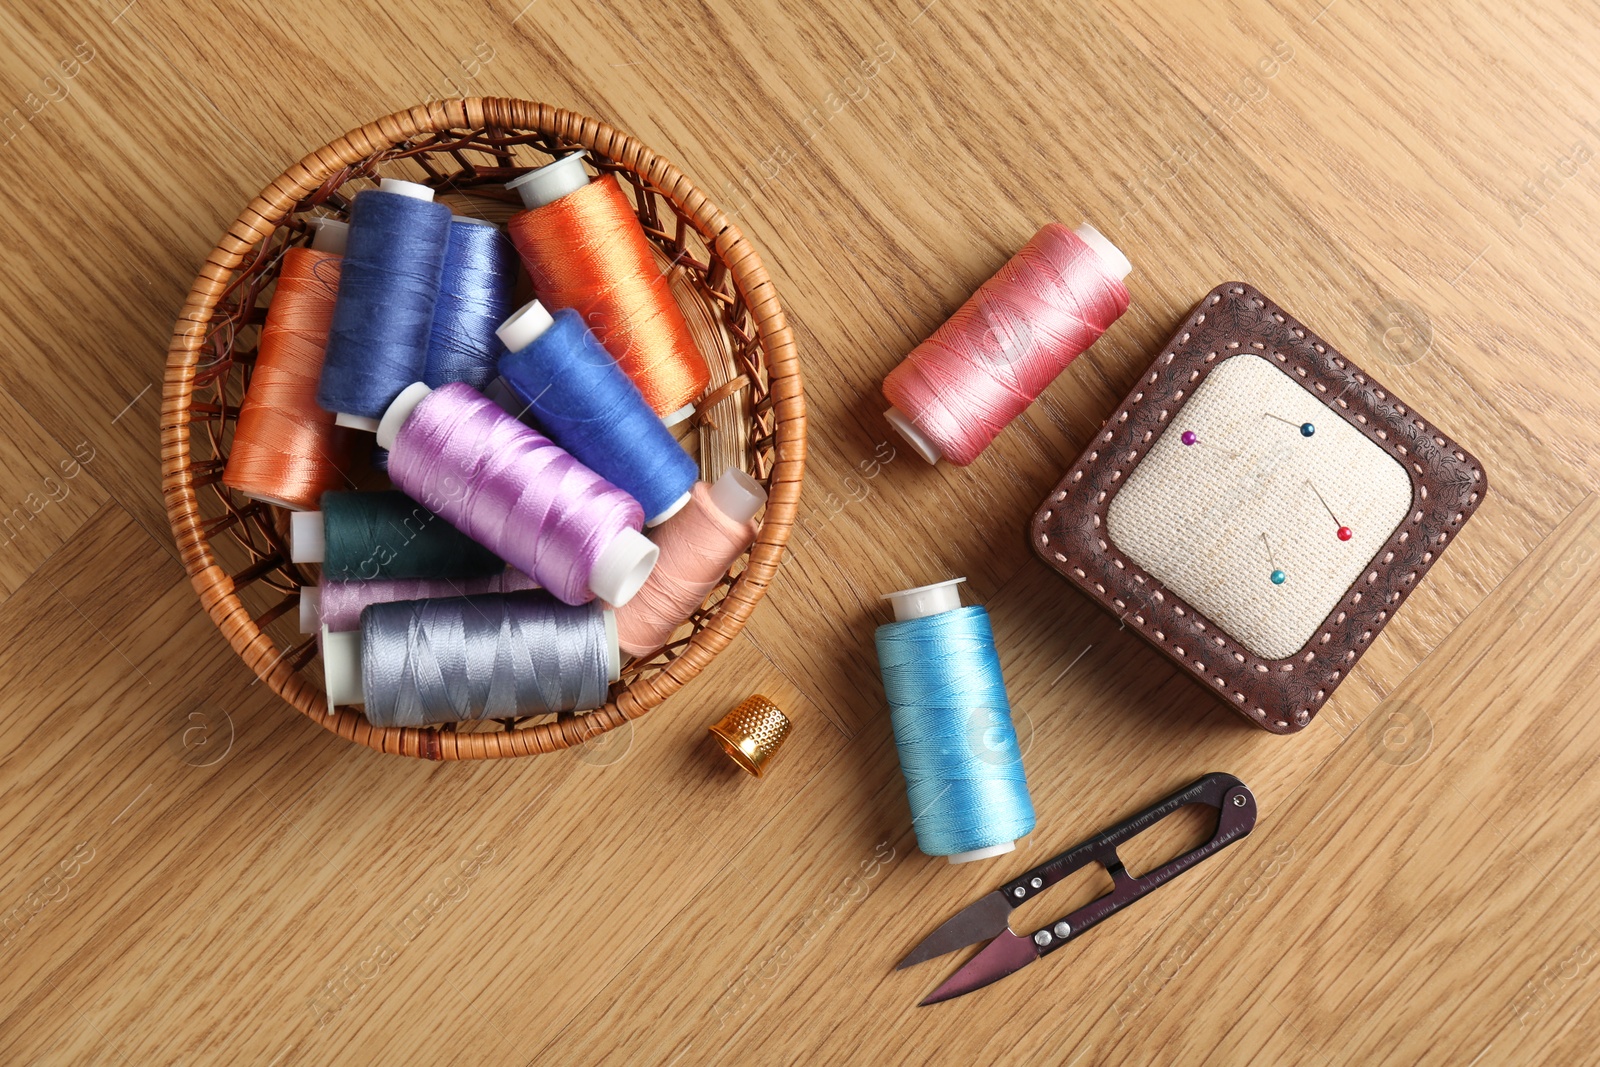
<point>490,656</point>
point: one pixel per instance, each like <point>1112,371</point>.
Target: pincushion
<point>1258,508</point>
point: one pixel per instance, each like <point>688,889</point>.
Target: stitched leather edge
<point>1068,531</point>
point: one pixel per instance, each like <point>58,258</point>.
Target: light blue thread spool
<point>952,725</point>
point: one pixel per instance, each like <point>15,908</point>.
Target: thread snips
<point>988,917</point>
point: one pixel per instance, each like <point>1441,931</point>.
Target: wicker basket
<point>235,549</point>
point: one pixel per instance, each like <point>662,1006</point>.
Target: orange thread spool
<point>584,249</point>
<point>698,545</point>
<point>286,450</point>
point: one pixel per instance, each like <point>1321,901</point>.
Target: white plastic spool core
<point>737,495</point>
<point>329,235</point>
<point>623,567</point>
<point>275,501</point>
<point>310,609</point>
<point>404,188</point>
<point>525,326</point>
<point>398,411</point>
<point>919,602</point>
<point>551,181</point>
<point>983,853</point>
<point>356,422</point>
<point>341,667</point>
<point>1111,256</point>
<point>669,511</point>
<point>920,443</point>
<point>308,540</point>
<point>672,418</point>
<point>613,647</point>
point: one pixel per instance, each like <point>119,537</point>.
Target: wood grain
<point>189,872</point>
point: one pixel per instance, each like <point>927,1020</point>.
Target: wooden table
<point>193,874</point>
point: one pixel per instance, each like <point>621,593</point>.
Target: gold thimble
<point>752,732</point>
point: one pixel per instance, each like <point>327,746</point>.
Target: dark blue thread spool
<point>388,285</point>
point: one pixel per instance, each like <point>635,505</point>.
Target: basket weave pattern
<point>235,549</point>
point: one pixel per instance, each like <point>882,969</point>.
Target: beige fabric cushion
<point>1192,516</point>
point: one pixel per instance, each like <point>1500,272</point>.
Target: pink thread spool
<point>516,492</point>
<point>337,604</point>
<point>958,389</point>
<point>698,545</point>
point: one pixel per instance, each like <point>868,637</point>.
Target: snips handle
<point>1231,797</point>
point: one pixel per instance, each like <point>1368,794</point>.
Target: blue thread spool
<point>383,316</point>
<point>572,389</point>
<point>952,725</point>
<point>475,292</point>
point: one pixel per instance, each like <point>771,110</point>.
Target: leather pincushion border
<point>1283,695</point>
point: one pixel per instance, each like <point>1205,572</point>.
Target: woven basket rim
<point>263,215</point>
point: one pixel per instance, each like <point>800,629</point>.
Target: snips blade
<point>1008,952</point>
<point>978,921</point>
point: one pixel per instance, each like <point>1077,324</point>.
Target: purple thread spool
<point>515,491</point>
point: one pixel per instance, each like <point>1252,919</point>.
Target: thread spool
<point>578,395</point>
<point>952,725</point>
<point>514,490</point>
<point>366,536</point>
<point>475,293</point>
<point>958,389</point>
<point>584,248</point>
<point>383,318</point>
<point>493,656</point>
<point>286,450</point>
<point>698,545</point>
<point>338,604</point>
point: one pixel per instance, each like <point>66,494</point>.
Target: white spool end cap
<point>328,235</point>
<point>921,601</point>
<point>1110,255</point>
<point>525,326</point>
<point>982,853</point>
<point>551,181</point>
<point>669,511</point>
<point>737,495</point>
<point>623,567</point>
<point>341,667</point>
<point>398,411</point>
<point>308,542</point>
<point>672,418</point>
<point>356,422</point>
<point>411,189</point>
<point>914,437</point>
<point>310,609</point>
<point>613,646</point>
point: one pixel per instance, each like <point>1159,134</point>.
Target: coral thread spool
<point>514,490</point>
<point>388,286</point>
<point>955,392</point>
<point>575,392</point>
<point>286,450</point>
<point>585,249</point>
<point>952,725</point>
<point>698,545</point>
